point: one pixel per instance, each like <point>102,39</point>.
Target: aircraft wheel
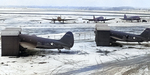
<point>59,50</point>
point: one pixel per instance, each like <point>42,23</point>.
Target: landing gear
<point>138,21</point>
<point>22,51</point>
<point>88,21</point>
<point>59,50</point>
<point>139,43</point>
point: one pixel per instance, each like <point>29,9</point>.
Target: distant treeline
<point>77,8</point>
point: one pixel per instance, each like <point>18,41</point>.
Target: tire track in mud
<point>66,62</point>
<point>142,69</point>
<point>100,66</point>
<point>125,67</point>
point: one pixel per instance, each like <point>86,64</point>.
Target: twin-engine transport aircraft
<point>30,42</point>
<point>99,19</point>
<point>58,19</point>
<point>131,18</point>
<point>121,36</point>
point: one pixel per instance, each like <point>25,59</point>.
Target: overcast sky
<point>94,3</point>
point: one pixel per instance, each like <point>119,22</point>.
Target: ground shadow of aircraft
<point>44,52</point>
<point>31,42</point>
<point>131,18</point>
<point>59,18</point>
<point>102,19</point>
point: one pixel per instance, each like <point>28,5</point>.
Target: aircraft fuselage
<point>41,42</point>
<point>100,19</point>
<point>131,18</point>
<point>121,36</point>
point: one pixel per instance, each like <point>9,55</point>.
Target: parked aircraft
<point>99,19</point>
<point>121,36</point>
<point>58,19</point>
<point>30,42</point>
<point>104,36</point>
<point>131,18</point>
<point>2,19</point>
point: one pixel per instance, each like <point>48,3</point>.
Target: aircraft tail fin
<point>94,19</point>
<point>68,39</point>
<point>125,16</point>
<point>146,34</point>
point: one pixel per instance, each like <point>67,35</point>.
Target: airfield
<point>84,57</point>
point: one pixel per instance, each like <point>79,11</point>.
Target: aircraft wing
<point>89,19</point>
<point>57,19</point>
<point>116,38</point>
<point>67,19</point>
<point>3,19</point>
<point>27,45</point>
<point>121,18</point>
<point>109,19</point>
<point>35,20</point>
<point>125,19</point>
<point>48,19</point>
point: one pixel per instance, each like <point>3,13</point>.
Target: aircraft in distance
<point>131,18</point>
<point>58,19</point>
<point>32,41</point>
<point>99,19</point>
<point>2,19</point>
<point>127,37</point>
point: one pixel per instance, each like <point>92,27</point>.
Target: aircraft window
<point>133,37</point>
